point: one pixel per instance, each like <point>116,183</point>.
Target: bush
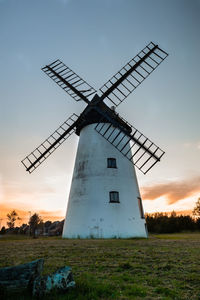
<point>162,223</point>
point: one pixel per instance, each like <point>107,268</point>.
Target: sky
<point>95,39</point>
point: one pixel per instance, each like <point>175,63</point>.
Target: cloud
<point>173,191</point>
<point>14,189</point>
<point>189,145</point>
<point>47,213</point>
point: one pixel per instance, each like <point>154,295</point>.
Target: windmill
<point>104,200</point>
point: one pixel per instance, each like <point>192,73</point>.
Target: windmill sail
<point>132,74</point>
<point>36,157</point>
<point>69,81</point>
<point>127,139</point>
<point>136,147</point>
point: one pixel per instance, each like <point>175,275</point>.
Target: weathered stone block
<point>60,280</point>
<point>19,278</point>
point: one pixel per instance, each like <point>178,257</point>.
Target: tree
<point>35,222</point>
<point>3,230</point>
<point>163,223</point>
<point>196,210</point>
<point>12,218</point>
<point>47,225</point>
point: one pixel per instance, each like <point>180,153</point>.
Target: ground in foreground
<point>161,267</point>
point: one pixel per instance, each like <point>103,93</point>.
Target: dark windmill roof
<point>90,116</point>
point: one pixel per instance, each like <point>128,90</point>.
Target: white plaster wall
<point>89,213</point>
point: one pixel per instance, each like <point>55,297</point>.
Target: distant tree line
<point>163,223</point>
<point>35,227</point>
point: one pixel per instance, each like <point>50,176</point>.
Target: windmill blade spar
<point>135,146</point>
<point>124,82</point>
<point>69,81</point>
<point>36,157</point>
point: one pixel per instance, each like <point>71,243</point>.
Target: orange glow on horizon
<point>58,215</point>
<point>25,215</point>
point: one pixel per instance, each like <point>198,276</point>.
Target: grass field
<point>161,267</point>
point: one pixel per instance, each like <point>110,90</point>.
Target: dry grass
<point>161,267</point>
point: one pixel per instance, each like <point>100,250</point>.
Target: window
<point>140,207</point>
<point>114,197</point>
<point>111,163</point>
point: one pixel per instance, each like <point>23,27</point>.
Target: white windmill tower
<point>104,200</point>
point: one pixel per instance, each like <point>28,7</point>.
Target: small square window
<point>111,163</point>
<point>114,197</point>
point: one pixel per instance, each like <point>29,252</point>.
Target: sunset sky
<point>95,39</point>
